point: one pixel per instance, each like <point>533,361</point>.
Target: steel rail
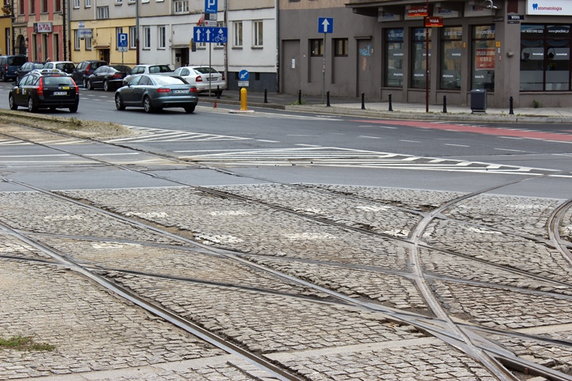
<point>554,229</point>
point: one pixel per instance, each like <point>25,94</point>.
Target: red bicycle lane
<point>496,131</point>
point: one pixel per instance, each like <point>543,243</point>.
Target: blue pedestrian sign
<point>215,34</point>
<point>243,75</point>
<point>122,39</point>
<point>325,24</point>
<point>211,6</point>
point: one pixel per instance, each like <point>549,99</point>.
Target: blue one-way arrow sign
<point>214,34</point>
<point>325,24</point>
<point>243,75</point>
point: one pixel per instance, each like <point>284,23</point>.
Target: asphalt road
<point>269,145</point>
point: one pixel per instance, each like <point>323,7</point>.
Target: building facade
<point>507,48</point>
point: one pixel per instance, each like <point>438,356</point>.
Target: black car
<point>84,69</point>
<point>108,77</point>
<point>26,68</point>
<point>44,89</point>
<point>9,65</point>
<point>154,92</point>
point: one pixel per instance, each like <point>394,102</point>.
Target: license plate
<point>181,91</point>
<point>60,93</point>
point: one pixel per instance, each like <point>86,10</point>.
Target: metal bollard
<point>390,104</point>
<point>265,96</point>
<point>511,106</point>
<point>444,104</point>
<point>328,99</point>
<point>243,99</point>
<point>363,101</point>
<point>299,97</point>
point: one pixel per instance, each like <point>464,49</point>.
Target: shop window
<point>394,57</point>
<point>483,57</point>
<point>545,58</point>
<point>316,47</point>
<point>451,54</point>
<point>419,56</point>
<point>340,47</point>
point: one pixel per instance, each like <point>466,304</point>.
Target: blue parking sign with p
<point>211,6</point>
<point>122,39</point>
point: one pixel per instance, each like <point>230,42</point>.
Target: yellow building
<point>97,39</point>
<point>5,35</point>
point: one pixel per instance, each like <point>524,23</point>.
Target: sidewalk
<point>353,106</point>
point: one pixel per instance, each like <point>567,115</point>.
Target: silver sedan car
<point>155,92</point>
<point>203,77</point>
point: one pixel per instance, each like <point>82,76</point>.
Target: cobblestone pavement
<point>487,259</point>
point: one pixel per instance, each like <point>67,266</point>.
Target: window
<point>146,37</point>
<point>32,6</point>
<point>87,39</point>
<point>340,47</point>
<point>162,37</point>
<point>451,53</point>
<point>118,2</point>
<point>483,57</point>
<point>545,57</point>
<point>316,47</point>
<point>102,13</point>
<point>56,46</point>
<point>419,57</point>
<point>76,3</point>
<point>44,6</point>
<point>132,37</point>
<point>21,7</point>
<point>57,5</point>
<point>257,28</point>
<point>180,6</point>
<point>76,40</point>
<point>87,3</point>
<point>394,57</point>
<point>237,34</point>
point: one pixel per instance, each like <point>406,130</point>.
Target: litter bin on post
<point>478,100</point>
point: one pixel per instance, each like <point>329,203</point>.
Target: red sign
<point>43,27</point>
<point>433,22</point>
<point>417,11</point>
<point>485,58</point>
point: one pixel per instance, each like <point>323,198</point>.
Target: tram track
<point>486,353</point>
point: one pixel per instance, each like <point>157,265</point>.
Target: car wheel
<point>12,102</point>
<point>147,105</point>
<point>73,108</point>
<point>190,109</point>
<point>88,85</point>
<point>106,86</point>
<point>32,106</point>
<point>119,102</point>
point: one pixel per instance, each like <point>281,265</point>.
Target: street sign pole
<point>324,70</point>
<point>210,65</point>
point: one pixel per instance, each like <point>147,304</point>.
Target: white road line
<point>112,154</point>
<point>509,150</point>
<point>510,137</point>
<point>368,137</point>
<point>45,155</point>
<point>410,141</point>
<point>267,141</point>
<point>456,145</point>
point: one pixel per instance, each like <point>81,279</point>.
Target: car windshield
<point>160,80</point>
<point>58,81</point>
<point>17,60</point>
<point>159,69</point>
<point>205,70</point>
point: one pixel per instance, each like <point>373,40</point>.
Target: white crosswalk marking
<point>150,135</point>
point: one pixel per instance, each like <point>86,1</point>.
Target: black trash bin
<point>478,100</point>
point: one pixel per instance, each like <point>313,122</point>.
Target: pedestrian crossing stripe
<point>157,135</point>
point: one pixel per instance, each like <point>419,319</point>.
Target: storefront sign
<point>417,11</point>
<point>433,22</point>
<point>384,15</point>
<point>442,11</point>
<point>43,27</point>
<point>485,58</point>
<point>549,7</point>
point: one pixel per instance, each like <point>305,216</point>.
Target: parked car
<point>203,78</point>
<point>9,65</point>
<point>45,89</point>
<point>108,77</point>
<point>154,92</point>
<point>84,69</point>
<point>66,66</point>
<point>151,69</point>
<point>28,67</point>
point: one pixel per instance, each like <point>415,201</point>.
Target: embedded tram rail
<point>410,235</point>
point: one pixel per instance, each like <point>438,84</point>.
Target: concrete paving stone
<point>519,214</point>
<point>98,339</point>
<point>40,213</point>
<point>221,222</point>
<point>483,305</point>
<point>267,316</point>
<point>498,248</point>
<point>396,291</point>
<point>440,263</point>
<point>11,246</point>
<point>374,215</point>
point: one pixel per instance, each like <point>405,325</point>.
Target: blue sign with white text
<point>325,24</point>
<point>215,34</point>
<point>211,6</point>
<point>122,39</point>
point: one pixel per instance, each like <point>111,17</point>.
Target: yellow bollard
<point>243,99</point>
